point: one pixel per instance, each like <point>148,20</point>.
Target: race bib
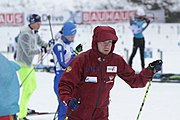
<point>136,29</point>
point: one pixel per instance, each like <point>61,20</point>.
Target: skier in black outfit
<point>137,28</point>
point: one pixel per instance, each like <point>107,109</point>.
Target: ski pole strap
<point>144,99</point>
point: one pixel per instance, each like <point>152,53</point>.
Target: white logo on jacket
<point>111,69</point>
<point>110,79</point>
<point>91,79</point>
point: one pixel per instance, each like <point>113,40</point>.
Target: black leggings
<point>15,117</point>
<point>138,43</point>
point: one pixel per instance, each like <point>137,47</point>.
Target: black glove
<point>147,20</point>
<point>73,104</point>
<point>52,60</point>
<point>43,49</point>
<point>156,65</point>
<point>78,49</point>
<point>51,42</point>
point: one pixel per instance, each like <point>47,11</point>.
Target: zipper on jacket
<point>99,91</point>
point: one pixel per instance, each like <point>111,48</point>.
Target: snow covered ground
<point>162,102</point>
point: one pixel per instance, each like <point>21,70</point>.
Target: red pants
<point>9,117</point>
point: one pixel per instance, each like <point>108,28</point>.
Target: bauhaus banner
<point>106,16</point>
<point>11,19</point>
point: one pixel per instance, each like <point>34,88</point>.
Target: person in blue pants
<point>63,54</point>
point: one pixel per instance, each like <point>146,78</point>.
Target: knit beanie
<point>33,18</point>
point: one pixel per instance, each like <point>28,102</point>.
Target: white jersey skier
<point>63,54</point>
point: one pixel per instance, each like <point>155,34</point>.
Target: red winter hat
<point>103,33</point>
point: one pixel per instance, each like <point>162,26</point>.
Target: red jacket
<point>90,77</point>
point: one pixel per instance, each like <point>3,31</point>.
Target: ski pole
<point>55,115</point>
<point>49,19</point>
<point>144,99</point>
<point>67,117</point>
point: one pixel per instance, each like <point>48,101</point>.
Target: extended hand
<point>156,65</point>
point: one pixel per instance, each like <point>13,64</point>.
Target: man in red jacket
<point>85,86</point>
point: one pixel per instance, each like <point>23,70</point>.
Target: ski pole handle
<point>71,110</point>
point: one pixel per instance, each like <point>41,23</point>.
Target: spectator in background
<point>9,89</point>
<point>63,54</point>
<point>137,28</point>
<point>28,42</point>
<point>86,83</point>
